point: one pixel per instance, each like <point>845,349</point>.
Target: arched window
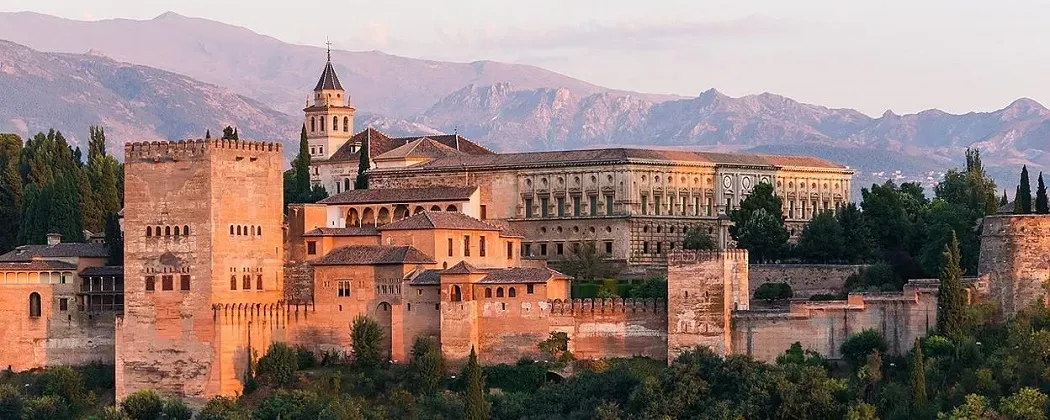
<point>149,231</point>
<point>185,229</point>
<point>313,125</point>
<point>167,230</point>
<point>512,292</point>
<point>231,229</point>
<point>335,123</point>
<point>238,230</point>
<point>435,208</point>
<point>488,292</point>
<point>322,124</point>
<point>455,294</point>
<point>499,292</point>
<point>451,208</point>
<point>176,231</point>
<point>258,230</point>
<point>245,230</point>
<point>346,124</point>
<point>419,209</point>
<point>34,305</point>
<point>346,184</point>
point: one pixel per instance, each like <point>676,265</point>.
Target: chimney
<point>54,239</point>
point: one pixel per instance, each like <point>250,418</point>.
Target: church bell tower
<point>330,118</point>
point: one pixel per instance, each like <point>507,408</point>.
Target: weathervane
<point>328,42</point>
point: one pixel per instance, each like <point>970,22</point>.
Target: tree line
<point>47,186</point>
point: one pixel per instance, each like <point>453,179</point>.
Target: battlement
<point>688,256</point>
<point>606,306</point>
<point>186,149</point>
<point>260,310</point>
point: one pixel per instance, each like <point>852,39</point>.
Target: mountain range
<point>260,84</point>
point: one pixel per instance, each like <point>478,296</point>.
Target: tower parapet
<point>1013,259</point>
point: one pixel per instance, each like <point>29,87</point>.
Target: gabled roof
<point>423,148</point>
<point>328,80</point>
<point>439,220</point>
<point>29,252</point>
<point>345,231</point>
<point>521,275</point>
<point>401,195</point>
<point>463,267</point>
<point>424,277</point>
<point>379,143</point>
<point>373,255</point>
<point>36,265</point>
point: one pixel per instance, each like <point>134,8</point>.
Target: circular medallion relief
<point>727,181</point>
<point>746,182</point>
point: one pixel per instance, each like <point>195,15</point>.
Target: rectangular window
<point>481,246</point>
<point>258,282</point>
<point>645,247</point>
<point>510,250</point>
<point>696,206</point>
<point>246,282</point>
<point>608,247</point>
<point>450,247</point>
<point>560,201</point>
<point>543,250</point>
<point>233,282</point>
<point>63,304</point>
<point>311,248</point>
<point>530,289</point>
<point>151,283</point>
<point>167,283</point>
<point>344,288</point>
<point>609,205</point>
<point>528,209</point>
<point>659,248</point>
<point>577,206</point>
<point>645,205</point>
<point>791,209</point>
<point>671,205</point>
<point>484,212</point>
<point>709,210</point>
<point>656,204</point>
<point>545,207</point>
<point>466,245</point>
<point>184,282</point>
<point>560,249</point>
<point>593,205</point>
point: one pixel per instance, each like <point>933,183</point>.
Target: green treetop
<point>1041,205</point>
<point>951,297</point>
<point>1023,200</point>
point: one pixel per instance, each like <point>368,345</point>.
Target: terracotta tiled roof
<point>109,270</point>
<point>439,220</point>
<point>424,148</point>
<point>29,252</point>
<point>521,275</point>
<point>623,155</point>
<point>347,231</point>
<point>463,267</point>
<point>373,255</point>
<point>425,277</point>
<point>328,79</point>
<point>36,265</point>
<point>379,143</point>
<point>508,231</point>
<point>401,195</point>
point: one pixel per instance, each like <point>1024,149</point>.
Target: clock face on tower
<point>727,182</point>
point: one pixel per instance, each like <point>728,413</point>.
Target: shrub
<point>175,409</point>
<point>857,347</point>
<point>278,365</point>
<point>47,407</point>
<point>651,288</point>
<point>556,345</point>
<point>11,402</point>
<point>223,408</point>
<point>774,291</point>
<point>143,405</point>
<point>64,382</point>
<point>366,337</point>
<point>307,360</point>
<point>427,364</point>
<point>289,405</point>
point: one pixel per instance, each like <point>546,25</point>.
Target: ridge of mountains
<point>259,83</point>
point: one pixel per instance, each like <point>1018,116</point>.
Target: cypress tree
<point>302,169</point>
<point>1004,200</point>
<point>365,163</point>
<point>65,214</point>
<point>1041,205</point>
<point>114,240</point>
<point>235,135</point>
<point>10,191</point>
<point>476,406</point>
<point>951,297</point>
<point>918,378</point>
<point>228,133</point>
<point>1024,194</point>
<point>207,134</point>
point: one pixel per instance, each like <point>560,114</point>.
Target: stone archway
<point>384,216</point>
<point>353,219</point>
<point>400,211</point>
<point>368,217</point>
<point>451,207</point>
<point>419,209</point>
<point>435,208</point>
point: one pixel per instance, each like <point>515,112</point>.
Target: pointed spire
<point>329,43</point>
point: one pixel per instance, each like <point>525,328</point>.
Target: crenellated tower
<point>329,118</point>
<point>703,290</point>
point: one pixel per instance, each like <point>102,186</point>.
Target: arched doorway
<point>353,219</point>
<point>34,305</point>
<point>384,216</point>
<point>455,294</point>
<point>400,212</point>
<point>383,315</point>
<point>368,217</point>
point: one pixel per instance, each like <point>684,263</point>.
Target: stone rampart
<point>806,280</point>
<point>1013,257</point>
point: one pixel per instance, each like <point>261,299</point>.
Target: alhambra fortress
<point>453,241</point>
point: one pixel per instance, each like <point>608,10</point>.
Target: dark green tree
<point>476,407</point>
<point>951,296</point>
<point>278,365</point>
<point>11,402</point>
<point>858,243</point>
<point>207,134</point>
<point>67,384</point>
<point>47,407</point>
<point>763,234</point>
<point>65,216</point>
<point>427,364</point>
<point>229,133</point>
<point>301,165</point>
<point>696,238</point>
<point>1041,204</point>
<point>143,405</point>
<point>1023,200</point>
<point>857,347</point>
<point>586,264</point>
<point>223,408</point>
<point>114,240</point>
<point>363,165</point>
<point>366,338</point>
<point>918,378</point>
<point>774,291</point>
<point>10,191</point>
<point>1004,200</point>
<point>175,409</point>
<point>822,240</point>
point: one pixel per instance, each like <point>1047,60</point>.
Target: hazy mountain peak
<point>169,15</point>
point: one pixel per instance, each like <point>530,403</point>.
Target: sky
<point>904,56</point>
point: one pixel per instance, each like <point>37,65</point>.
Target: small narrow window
<point>167,231</point>
<point>510,249</point>
<point>529,288</point>
<point>560,249</point>
<point>466,245</point>
<point>608,247</point>
<point>185,230</point>
<point>488,292</point>
<point>167,283</point>
<point>450,247</point>
<point>151,283</point>
<point>343,288</point>
<point>34,305</point>
<point>258,282</point>
<point>233,282</point>
<point>258,230</point>
<point>184,282</point>
<point>484,212</point>
<point>313,124</point>
<point>499,292</point>
<point>246,282</point>
<point>512,292</point>
<point>346,124</point>
<point>311,247</point>
<point>63,304</point>
<point>481,246</point>
<point>149,231</point>
<point>176,231</point>
<point>231,229</point>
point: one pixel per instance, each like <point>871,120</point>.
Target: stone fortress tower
<point>203,226</point>
<point>703,290</point>
<point>330,118</point>
<point>1013,260</point>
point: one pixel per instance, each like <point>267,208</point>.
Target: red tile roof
<point>521,275</point>
<point>463,267</point>
<point>347,231</point>
<point>439,220</point>
<point>424,277</point>
<point>424,148</point>
<point>65,249</point>
<point>105,271</point>
<point>373,255</point>
<point>36,265</point>
<point>401,195</point>
<point>379,143</point>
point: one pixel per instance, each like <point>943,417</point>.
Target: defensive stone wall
<point>604,328</point>
<point>1014,251</point>
<point>703,288</point>
<point>56,337</point>
<point>806,280</point>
